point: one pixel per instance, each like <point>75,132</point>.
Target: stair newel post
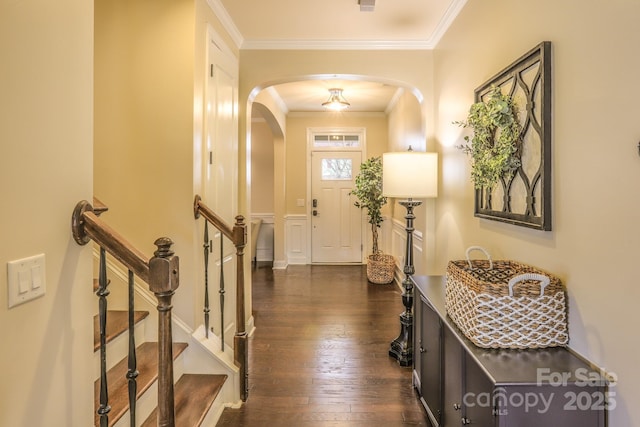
<point>240,339</point>
<point>163,282</point>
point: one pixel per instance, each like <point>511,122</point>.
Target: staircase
<point>147,375</point>
<point>194,393</point>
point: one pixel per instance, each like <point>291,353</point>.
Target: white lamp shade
<point>410,174</point>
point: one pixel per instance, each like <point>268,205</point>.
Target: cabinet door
<point>431,362</point>
<point>418,338</point>
<point>477,400</point>
<point>452,369</point>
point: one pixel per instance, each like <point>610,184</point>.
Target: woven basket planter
<point>506,304</point>
<point>381,269</point>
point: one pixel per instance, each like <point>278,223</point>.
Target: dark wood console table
<point>461,384</point>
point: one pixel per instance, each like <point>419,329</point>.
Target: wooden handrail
<point>87,226</point>
<point>231,233</point>
<point>238,236</point>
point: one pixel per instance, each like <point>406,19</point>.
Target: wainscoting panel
<point>296,239</point>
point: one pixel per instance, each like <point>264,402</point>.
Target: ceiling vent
<point>367,5</point>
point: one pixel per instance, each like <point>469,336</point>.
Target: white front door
<point>336,224</point>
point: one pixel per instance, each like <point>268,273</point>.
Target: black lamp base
<point>400,349</point>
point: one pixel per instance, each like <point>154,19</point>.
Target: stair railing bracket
<point>77,222</point>
<point>196,206</point>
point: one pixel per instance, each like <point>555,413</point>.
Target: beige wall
<point>265,108</point>
<point>149,85</point>
<point>45,169</point>
<point>143,159</point>
<point>406,124</point>
<point>261,167</point>
<point>593,245</point>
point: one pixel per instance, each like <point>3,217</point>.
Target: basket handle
<point>544,281</point>
<point>481,249</point>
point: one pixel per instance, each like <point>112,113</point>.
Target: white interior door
<point>221,177</point>
<point>336,224</point>
<point>221,132</point>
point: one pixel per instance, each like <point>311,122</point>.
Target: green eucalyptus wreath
<point>496,131</point>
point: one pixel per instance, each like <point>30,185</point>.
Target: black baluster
<point>132,373</point>
<point>221,291</point>
<point>206,278</point>
<point>102,293</point>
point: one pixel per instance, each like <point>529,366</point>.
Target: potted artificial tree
<point>368,190</point>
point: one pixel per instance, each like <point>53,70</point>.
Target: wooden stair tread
<point>117,323</point>
<point>117,383</point>
<point>193,396</point>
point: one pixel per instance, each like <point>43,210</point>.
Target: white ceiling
<point>336,24</point>
<point>364,96</point>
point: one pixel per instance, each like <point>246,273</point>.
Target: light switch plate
<point>26,279</point>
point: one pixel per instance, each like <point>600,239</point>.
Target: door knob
<point>315,212</point>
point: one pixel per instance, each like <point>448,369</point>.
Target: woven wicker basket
<point>381,268</point>
<point>506,304</point>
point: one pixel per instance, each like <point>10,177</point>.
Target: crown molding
<point>301,44</point>
<point>447,19</point>
<point>226,21</point>
<point>336,45</point>
<point>317,114</point>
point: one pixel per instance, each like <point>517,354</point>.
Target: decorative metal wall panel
<point>524,197</point>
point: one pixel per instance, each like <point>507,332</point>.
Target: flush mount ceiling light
<point>336,101</point>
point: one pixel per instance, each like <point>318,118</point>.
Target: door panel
<point>431,362</point>
<point>220,170</point>
<point>476,386</point>
<point>221,139</point>
<point>336,224</point>
<point>452,397</point>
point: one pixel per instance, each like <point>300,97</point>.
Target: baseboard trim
<point>280,265</point>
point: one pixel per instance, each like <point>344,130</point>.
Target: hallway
<point>319,354</point>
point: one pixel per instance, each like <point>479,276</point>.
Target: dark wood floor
<point>319,356</point>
